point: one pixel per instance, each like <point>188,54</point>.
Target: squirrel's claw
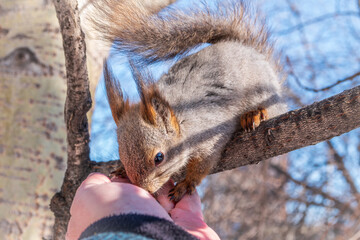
<point>180,189</point>
<point>251,120</point>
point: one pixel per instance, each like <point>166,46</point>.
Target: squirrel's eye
<point>159,158</point>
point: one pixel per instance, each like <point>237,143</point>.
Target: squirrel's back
<point>219,83</point>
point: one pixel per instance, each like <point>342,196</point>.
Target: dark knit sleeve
<point>143,225</point>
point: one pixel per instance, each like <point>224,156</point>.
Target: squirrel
<point>184,120</point>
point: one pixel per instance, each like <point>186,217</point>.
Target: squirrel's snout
<point>152,185</point>
<point>152,188</point>
<point>149,186</point>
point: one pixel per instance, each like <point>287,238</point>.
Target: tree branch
<point>310,125</point>
<point>78,103</point>
<point>337,203</point>
<point>291,71</point>
<point>317,20</point>
<point>339,161</point>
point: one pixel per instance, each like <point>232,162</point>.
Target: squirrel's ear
<point>114,94</point>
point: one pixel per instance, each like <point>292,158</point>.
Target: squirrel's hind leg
<point>251,120</point>
<point>196,170</point>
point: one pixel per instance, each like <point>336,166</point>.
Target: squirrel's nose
<point>149,186</point>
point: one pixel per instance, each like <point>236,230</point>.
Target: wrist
<point>139,225</point>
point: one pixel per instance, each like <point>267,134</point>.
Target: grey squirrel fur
<point>191,112</point>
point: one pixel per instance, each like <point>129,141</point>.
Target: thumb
<point>94,179</point>
<point>76,225</point>
<point>162,196</point>
<point>188,205</point>
<point>188,215</point>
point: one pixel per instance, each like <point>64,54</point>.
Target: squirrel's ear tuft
<point>146,108</point>
<point>114,94</point>
<point>158,111</point>
<point>154,108</point>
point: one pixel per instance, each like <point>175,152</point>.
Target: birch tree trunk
<point>32,128</point>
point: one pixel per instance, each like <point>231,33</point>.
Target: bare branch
<point>356,236</point>
<point>317,20</point>
<point>349,78</point>
<point>339,161</point>
<point>296,129</point>
<point>338,204</point>
<point>305,201</point>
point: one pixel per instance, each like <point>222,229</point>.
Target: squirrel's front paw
<point>251,120</point>
<point>180,189</point>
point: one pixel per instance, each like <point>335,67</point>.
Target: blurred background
<point>311,193</point>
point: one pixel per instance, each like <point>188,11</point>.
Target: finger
<point>190,202</point>
<point>188,205</point>
<point>120,179</point>
<point>94,179</point>
<point>162,196</point>
<point>73,230</point>
<point>164,190</point>
<point>188,215</point>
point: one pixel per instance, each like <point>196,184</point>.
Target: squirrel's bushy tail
<point>172,32</point>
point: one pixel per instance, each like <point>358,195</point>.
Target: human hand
<point>187,213</point>
<point>99,197</point>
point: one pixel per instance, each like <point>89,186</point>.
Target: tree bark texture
<point>77,104</point>
<point>310,125</point>
<point>32,130</point>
